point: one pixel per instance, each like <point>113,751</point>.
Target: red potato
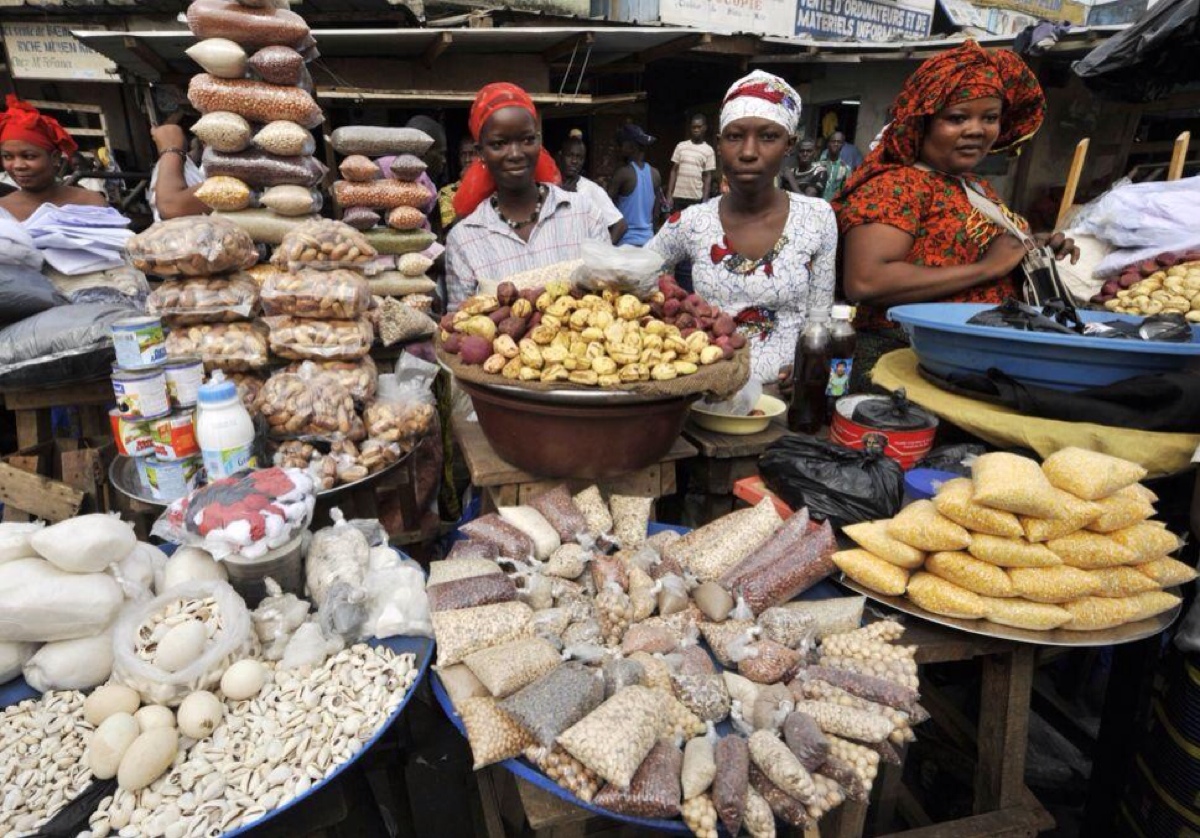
<point>737,340</point>
<point>1148,267</point>
<point>506,293</point>
<point>724,325</point>
<point>671,308</point>
<point>1099,300</point>
<point>1110,288</point>
<point>453,344</point>
<point>1128,281</point>
<point>685,321</point>
<point>447,323</point>
<point>1169,259</point>
<point>685,332</point>
<point>514,327</point>
<point>535,320</point>
<point>500,315</point>
<point>475,350</point>
<point>656,309</point>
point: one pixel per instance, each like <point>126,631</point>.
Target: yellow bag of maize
<point>1014,484</point>
<point>1147,541</point>
<point>1090,550</point>
<point>1089,474</point>
<point>1092,613</point>
<point>1167,572</point>
<point>1121,581</point>
<point>1071,515</point>
<point>1011,552</point>
<point>1023,614</point>
<point>1120,510</point>
<point>1052,584</point>
<point>872,572</point>
<point>968,572</point>
<point>941,597</point>
<point>873,537</point>
<point>954,500</point>
<point>920,525</point>
<point>1152,603</point>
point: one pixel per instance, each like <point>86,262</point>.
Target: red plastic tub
<point>905,447</point>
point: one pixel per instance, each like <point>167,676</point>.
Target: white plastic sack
<point>625,268</point>
<point>86,543</point>
<point>78,664</point>
<point>14,541</point>
<point>137,572</point>
<point>399,605</point>
<point>39,602</point>
<point>13,657</point>
<point>189,564</point>
<point>742,402</point>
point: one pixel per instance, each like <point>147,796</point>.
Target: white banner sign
<point>864,20</point>
<point>48,51</point>
<point>761,17</point>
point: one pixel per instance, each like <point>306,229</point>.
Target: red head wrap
<point>477,183</point>
<point>957,75</point>
<point>24,122</point>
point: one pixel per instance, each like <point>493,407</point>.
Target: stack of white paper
<point>79,239</point>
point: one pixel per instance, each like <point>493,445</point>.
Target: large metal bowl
<point>584,440</point>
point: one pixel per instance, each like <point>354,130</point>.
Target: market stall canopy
<point>159,56</point>
<point>1151,59</point>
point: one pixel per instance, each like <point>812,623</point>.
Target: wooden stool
<point>503,484</point>
<point>723,460</point>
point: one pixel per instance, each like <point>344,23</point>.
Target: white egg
<point>199,714</point>
<point>154,715</point>
<point>243,680</point>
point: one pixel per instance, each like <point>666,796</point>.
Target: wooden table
<point>503,484</point>
<point>723,459</point>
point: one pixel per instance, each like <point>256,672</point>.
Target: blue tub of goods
<point>946,345</point>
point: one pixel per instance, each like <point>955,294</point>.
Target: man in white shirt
<point>571,157</point>
<point>694,162</point>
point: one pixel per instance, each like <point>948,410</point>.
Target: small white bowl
<point>724,423</point>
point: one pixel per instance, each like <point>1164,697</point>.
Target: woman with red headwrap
<point>32,148</point>
<point>514,216</point>
<point>911,232</point>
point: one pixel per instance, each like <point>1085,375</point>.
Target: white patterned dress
<point>768,297</point>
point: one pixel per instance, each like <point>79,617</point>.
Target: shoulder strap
<point>987,207</point>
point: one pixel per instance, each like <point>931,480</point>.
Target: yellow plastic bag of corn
<point>954,500</point>
<point>1120,510</point>
<point>1093,613</point>
<point>1014,484</point>
<point>1167,572</point>
<point>921,526</point>
<point>1152,603</point>
<point>1011,552</point>
<point>1023,614</point>
<point>1072,515</point>
<point>968,572</point>
<point>1121,581</point>
<point>872,572</point>
<point>1052,584</point>
<point>1089,474</point>
<point>941,597</point>
<point>1146,541</point>
<point>873,537</point>
<point>1090,550</point>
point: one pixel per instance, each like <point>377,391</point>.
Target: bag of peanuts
<point>233,347</point>
<point>383,194</point>
<point>205,299</point>
<point>257,101</point>
<point>360,377</point>
<point>403,411</point>
<point>320,340</point>
<point>252,28</point>
<point>191,247</point>
<point>262,170</point>
<point>327,295</point>
<point>324,245</point>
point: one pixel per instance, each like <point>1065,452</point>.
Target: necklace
<point>517,224</point>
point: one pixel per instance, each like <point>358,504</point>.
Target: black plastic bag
<point>952,458</point>
<point>24,293</point>
<point>895,413</point>
<point>1158,328</point>
<point>836,483</point>
<point>1012,314</point>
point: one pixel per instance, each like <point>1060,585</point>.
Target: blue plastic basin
<point>945,343</point>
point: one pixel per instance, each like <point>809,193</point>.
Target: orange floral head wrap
<point>477,183</point>
<point>21,121</point>
<point>961,74</point>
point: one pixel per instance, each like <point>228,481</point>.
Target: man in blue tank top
<point>636,187</point>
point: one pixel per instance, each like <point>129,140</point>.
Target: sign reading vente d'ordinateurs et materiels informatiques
<point>863,20</point>
<point>48,51</point>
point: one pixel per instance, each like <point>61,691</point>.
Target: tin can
<point>184,377</point>
<point>133,438</point>
<point>170,480</point>
<point>174,436</point>
<point>139,341</point>
<point>141,394</point>
<point>905,447</point>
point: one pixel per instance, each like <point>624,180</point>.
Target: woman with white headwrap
<point>764,255</point>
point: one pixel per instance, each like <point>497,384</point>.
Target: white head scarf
<point>765,96</point>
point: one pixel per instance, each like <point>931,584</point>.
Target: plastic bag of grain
<point>631,516</point>
<point>1146,541</point>
<point>1121,581</point>
<point>781,766</point>
<point>1089,550</point>
<point>764,661</point>
<point>558,507</point>
<point>510,542</point>
<point>492,733</point>
<point>535,527</point>
<point>506,668</point>
<point>731,781</point>
<point>1012,552</point>
<point>1013,484</point>
<point>463,565</point>
<point>1072,514</point>
<point>955,500</point>
<point>1023,614</point>
<point>832,616</point>
<point>654,791</point>
<point>1095,613</point>
<point>614,738</point>
<point>1167,572</point>
<point>941,597</point>
<point>1121,509</point>
<point>595,511</point>
<point>1151,604</point>
<point>966,571</point>
<point>699,765</point>
<point>472,591</point>
<point>556,701</point>
<point>460,684</point>
<point>784,806</point>
<point>921,526</point>
<point>467,630</point>
<point>873,537</point>
<point>704,694</point>
<point>872,572</point>
<point>1089,474</point>
<point>1052,584</point>
<point>792,628</point>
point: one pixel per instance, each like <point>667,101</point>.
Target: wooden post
<point>1073,175</point>
<point>1005,691</point>
<point>1179,155</point>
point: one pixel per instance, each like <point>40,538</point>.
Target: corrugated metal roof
<point>1080,38</point>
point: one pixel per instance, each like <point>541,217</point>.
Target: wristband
<point>181,152</point>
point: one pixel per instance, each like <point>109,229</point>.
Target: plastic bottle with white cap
<point>224,429</point>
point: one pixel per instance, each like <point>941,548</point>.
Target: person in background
<point>807,176</point>
<point>692,167</point>
<point>435,158</point>
<point>845,151</point>
<point>763,255</point>
<point>918,224</point>
<point>636,186</point>
<point>514,215</point>
<point>176,175</point>
<point>32,149</point>
<point>445,196</point>
<point>837,169</point>
<point>571,158</point>
<point>82,165</point>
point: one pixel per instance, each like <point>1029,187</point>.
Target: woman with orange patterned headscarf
<point>513,215</point>
<point>32,148</point>
<point>911,232</point>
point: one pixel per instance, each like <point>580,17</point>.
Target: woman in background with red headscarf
<point>514,216</point>
<point>32,148</point>
<point>910,230</point>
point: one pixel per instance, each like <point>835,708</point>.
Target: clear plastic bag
<point>291,200</point>
<point>277,65</point>
<point>626,268</point>
<point>338,553</point>
<point>222,130</point>
<point>399,242</point>
<point>205,299</point>
<point>224,193</point>
<point>633,718</point>
<point>595,511</point>
<point>251,27</point>
<point>724,543</point>
<point>361,218</point>
<point>878,690</point>
<point>359,168</point>
<point>790,628</point>
<point>405,218</point>
<point>261,170</point>
<point>460,684</point>
<point>506,668</point>
<point>654,791</point>
<point>383,194</point>
<point>359,377</point>
<point>608,570</point>
<point>779,547</point>
<point>770,709</point>
<point>263,225</point>
<point>742,402</point>
<point>649,639</point>
<point>780,582</point>
<point>1090,475</point>
<point>255,100</point>
<point>780,766</point>
<point>721,638</point>
<point>191,247</point>
<point>328,295</point>
<point>806,740</point>
<point>764,661</point>
<point>493,735</point>
<point>509,541</point>
<point>467,630</point>
<point>319,340</point>
<point>407,167</point>
<point>731,781</point>
<point>233,347</point>
<point>631,516</point>
<point>699,765</point>
<point>529,521</point>
<point>232,641</point>
<point>704,694</point>
<point>285,138</point>
<point>220,57</point>
<point>463,566</point>
<point>471,591</point>
<point>376,141</point>
<point>620,673</point>
<point>276,618</point>
<point>323,244</point>
<point>920,525</point>
<point>558,508</point>
<point>556,701</point>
